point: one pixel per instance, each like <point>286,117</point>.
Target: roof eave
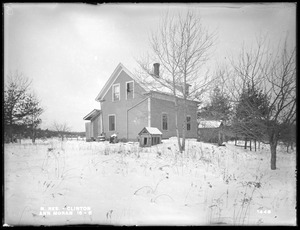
<point>171,95</point>
<point>92,114</point>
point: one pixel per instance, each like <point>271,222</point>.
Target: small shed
<point>211,131</point>
<point>150,136</point>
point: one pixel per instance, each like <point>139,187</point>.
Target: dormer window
<point>116,92</point>
<point>129,90</point>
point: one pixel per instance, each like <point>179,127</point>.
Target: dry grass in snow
<point>123,184</point>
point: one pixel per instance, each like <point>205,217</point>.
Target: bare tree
<point>61,128</point>
<point>181,46</point>
<point>274,74</point>
<point>281,79</point>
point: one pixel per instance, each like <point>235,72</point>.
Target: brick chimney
<point>187,89</point>
<point>156,69</point>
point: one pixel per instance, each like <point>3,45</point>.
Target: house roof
<point>147,83</point>
<point>151,130</point>
<point>209,124</point>
<point>92,114</point>
<point>168,96</point>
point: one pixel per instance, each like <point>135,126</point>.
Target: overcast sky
<point>70,50</point>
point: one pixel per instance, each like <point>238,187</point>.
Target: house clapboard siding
<point>134,107</point>
<point>160,106</point>
<point>122,108</point>
<point>88,130</point>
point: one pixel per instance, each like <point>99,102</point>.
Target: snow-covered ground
<point>78,182</point>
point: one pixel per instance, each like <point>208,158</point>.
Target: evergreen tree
<point>32,120</point>
<point>218,108</point>
<point>251,113</point>
<point>20,106</point>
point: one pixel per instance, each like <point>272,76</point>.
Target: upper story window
<point>188,123</point>
<point>116,92</point>
<point>129,90</point>
<point>164,121</point>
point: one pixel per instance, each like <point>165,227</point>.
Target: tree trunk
<point>184,128</point>
<point>33,136</point>
<point>245,143</point>
<point>273,147</point>
<point>219,138</point>
<point>33,133</point>
<point>176,126</point>
<point>250,145</point>
<point>10,131</point>
<point>184,107</point>
<point>255,145</point>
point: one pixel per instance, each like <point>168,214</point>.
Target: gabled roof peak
<point>151,130</point>
<point>110,80</point>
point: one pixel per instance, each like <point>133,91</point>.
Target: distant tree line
<point>25,133</point>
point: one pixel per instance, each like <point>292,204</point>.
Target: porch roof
<point>92,114</point>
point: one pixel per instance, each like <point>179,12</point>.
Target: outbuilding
<point>211,131</point>
<point>150,136</point>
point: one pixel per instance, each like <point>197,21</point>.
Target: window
<point>129,90</point>
<point>116,92</point>
<point>164,121</point>
<point>188,123</point>
<point>111,122</point>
